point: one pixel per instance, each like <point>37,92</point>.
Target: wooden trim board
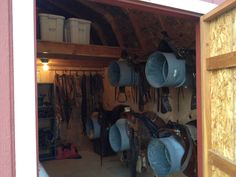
<point>7,138</point>
<point>205,97</point>
<point>225,6</point>
<point>222,163</point>
<point>222,61</point>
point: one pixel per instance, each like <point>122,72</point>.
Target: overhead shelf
<point>78,51</point>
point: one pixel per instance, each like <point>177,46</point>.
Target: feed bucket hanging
<point>121,73</point>
<point>118,136</point>
<point>93,128</point>
<point>164,70</point>
<point>165,155</point>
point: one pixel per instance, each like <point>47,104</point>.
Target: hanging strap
<point>158,99</point>
<point>121,96</point>
<point>190,149</point>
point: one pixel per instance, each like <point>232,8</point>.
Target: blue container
<point>42,171</point>
<point>93,128</point>
<point>164,70</point>
<point>118,136</point>
<point>120,73</point>
<point>165,155</point>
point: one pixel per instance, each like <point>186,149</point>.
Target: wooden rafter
<point>108,17</point>
<point>162,23</point>
<point>94,25</point>
<point>134,21</point>
<point>100,33</point>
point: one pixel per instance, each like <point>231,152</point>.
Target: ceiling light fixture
<point>45,63</point>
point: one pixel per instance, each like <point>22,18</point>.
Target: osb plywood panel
<point>222,32</point>
<point>222,113</point>
<point>234,30</point>
<point>216,172</point>
<point>234,118</point>
<point>221,35</point>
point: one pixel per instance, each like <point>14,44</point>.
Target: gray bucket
<point>164,70</point>
<point>118,136</point>
<point>120,73</point>
<point>165,155</point>
<point>93,128</point>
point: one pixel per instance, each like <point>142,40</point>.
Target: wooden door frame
<point>167,7</point>
<point>24,64</point>
<point>199,104</point>
<point>10,105</point>
<point>214,62</point>
<point>7,146</point>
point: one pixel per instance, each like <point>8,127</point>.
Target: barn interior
<point>90,124</point>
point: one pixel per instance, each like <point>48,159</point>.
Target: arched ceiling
<point>127,28</point>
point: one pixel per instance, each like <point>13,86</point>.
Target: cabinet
<point>46,122</point>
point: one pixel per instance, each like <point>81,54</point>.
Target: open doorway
<point>77,42</point>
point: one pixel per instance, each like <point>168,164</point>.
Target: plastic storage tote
<point>77,31</point>
<point>51,27</point>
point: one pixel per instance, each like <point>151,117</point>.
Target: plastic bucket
<point>93,128</point>
<point>164,70</point>
<point>118,136</point>
<point>165,155</point>
<point>120,73</point>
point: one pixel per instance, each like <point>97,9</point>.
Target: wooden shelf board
<point>62,50</point>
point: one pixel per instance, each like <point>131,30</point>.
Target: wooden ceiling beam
<point>94,25</point>
<point>100,33</point>
<point>108,17</point>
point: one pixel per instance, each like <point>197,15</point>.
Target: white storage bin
<point>51,27</point>
<point>77,31</point>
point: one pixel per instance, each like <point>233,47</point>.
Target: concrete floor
<point>88,166</point>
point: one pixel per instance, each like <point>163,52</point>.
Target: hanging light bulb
<point>45,67</point>
<point>45,64</point>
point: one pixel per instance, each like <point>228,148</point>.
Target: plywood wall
<point>73,132</point>
<point>48,76</point>
<point>109,97</point>
<point>222,91</point>
<point>184,107</point>
<point>182,115</point>
<point>109,102</point>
